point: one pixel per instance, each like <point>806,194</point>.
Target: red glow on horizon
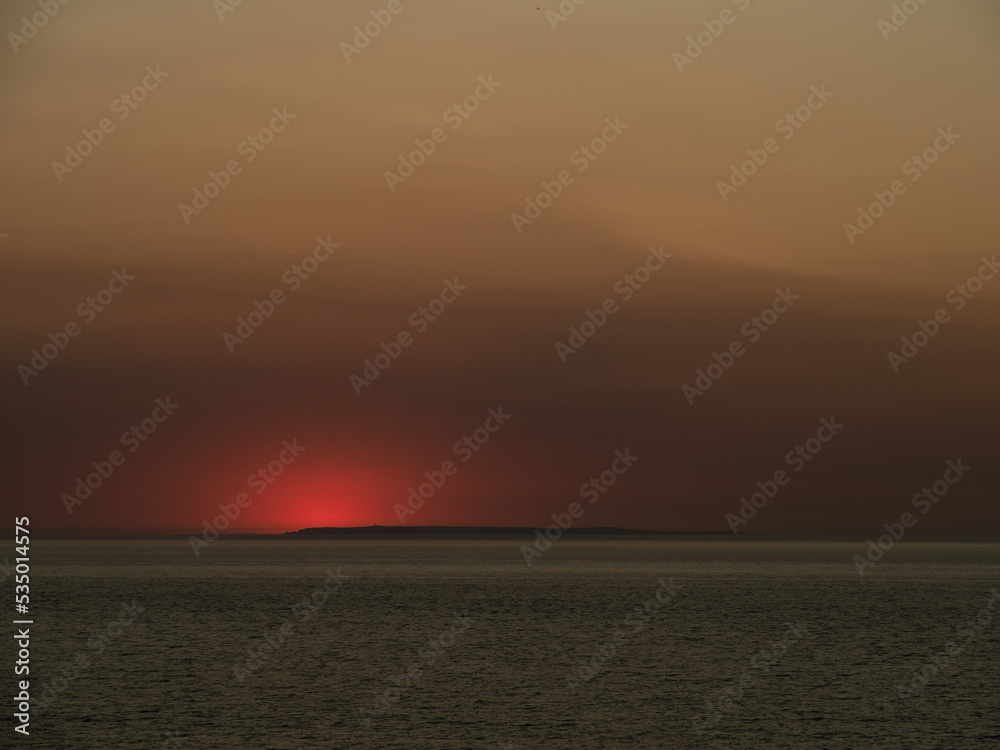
<point>298,502</point>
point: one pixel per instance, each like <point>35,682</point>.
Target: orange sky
<point>551,91</point>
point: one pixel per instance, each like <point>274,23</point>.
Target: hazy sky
<point>864,99</point>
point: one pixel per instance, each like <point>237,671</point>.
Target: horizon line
<point>66,533</point>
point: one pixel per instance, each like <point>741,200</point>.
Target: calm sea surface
<point>431,644</point>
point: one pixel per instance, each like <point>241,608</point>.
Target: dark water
<point>462,645</point>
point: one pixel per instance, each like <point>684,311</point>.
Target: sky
<point>467,187</point>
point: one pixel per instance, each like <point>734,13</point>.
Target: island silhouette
<point>480,531</point>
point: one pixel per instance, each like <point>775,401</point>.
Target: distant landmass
<point>412,531</point>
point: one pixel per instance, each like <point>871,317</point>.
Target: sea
<point>295,644</point>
